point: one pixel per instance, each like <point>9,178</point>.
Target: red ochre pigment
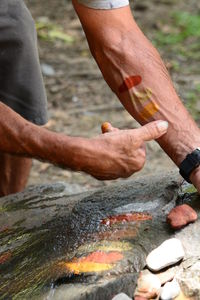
<point>129,83</point>
<point>4,229</point>
<point>102,257</point>
<point>130,217</point>
<point>119,234</point>
<point>5,257</point>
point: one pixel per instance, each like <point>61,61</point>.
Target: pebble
<point>121,296</point>
<point>170,290</point>
<point>47,70</point>
<point>181,215</point>
<point>189,280</point>
<point>167,275</point>
<point>181,296</point>
<point>139,298</point>
<point>148,285</point>
<point>168,253</point>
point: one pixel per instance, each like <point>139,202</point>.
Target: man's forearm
<point>20,137</point>
<point>108,156</point>
<point>137,75</point>
<point>135,72</point>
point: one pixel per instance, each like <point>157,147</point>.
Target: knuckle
<point>130,139</point>
<point>140,165</point>
<point>141,159</point>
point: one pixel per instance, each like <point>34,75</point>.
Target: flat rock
<point>168,253</point>
<point>181,215</point>
<point>44,229</point>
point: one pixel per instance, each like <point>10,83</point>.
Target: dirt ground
<point>79,99</point>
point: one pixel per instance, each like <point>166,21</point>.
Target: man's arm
<point>108,156</point>
<point>136,74</point>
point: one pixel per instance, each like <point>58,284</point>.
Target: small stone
<point>121,296</point>
<point>170,290</point>
<point>167,275</point>
<point>47,70</point>
<point>148,285</point>
<point>181,296</point>
<point>189,280</point>
<point>168,253</point>
<point>139,298</point>
<point>181,215</point>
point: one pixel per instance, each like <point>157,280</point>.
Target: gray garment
<point>21,84</point>
<point>104,4</point>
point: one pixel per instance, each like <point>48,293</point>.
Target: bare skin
<point>108,156</point>
<point>15,171</point>
<point>122,52</point>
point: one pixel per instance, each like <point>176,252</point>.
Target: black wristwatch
<point>191,162</point>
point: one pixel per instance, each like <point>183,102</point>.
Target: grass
<point>180,40</point>
<point>183,26</point>
<point>51,32</point>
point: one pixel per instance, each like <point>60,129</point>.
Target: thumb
<point>107,127</point>
<point>153,130</point>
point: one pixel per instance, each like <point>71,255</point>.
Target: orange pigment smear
<point>87,267</point>
<point>130,217</point>
<point>149,110</point>
<point>94,262</point>
<point>5,257</point>
<point>102,257</point>
<point>129,83</point>
<point>105,127</point>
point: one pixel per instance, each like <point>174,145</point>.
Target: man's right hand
<point>120,153</point>
<point>115,154</point>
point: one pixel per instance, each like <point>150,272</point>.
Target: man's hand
<point>117,153</point>
<point>120,153</point>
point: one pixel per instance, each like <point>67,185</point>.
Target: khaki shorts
<point>21,83</point>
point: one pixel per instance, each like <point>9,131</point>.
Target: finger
<point>153,130</point>
<point>107,127</point>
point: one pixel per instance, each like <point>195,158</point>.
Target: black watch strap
<point>191,162</point>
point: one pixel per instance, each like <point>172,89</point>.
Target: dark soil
<point>78,98</point>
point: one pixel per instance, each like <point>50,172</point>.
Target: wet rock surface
<point>55,246</point>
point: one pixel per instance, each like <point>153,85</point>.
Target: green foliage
<point>51,32</point>
<point>189,24</point>
<point>183,26</point>
<point>192,98</point>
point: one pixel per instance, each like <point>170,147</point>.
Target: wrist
<point>56,148</point>
<point>68,152</point>
<point>182,138</point>
<point>195,178</point>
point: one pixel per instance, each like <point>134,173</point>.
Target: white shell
<point>170,290</point>
<point>167,254</point>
